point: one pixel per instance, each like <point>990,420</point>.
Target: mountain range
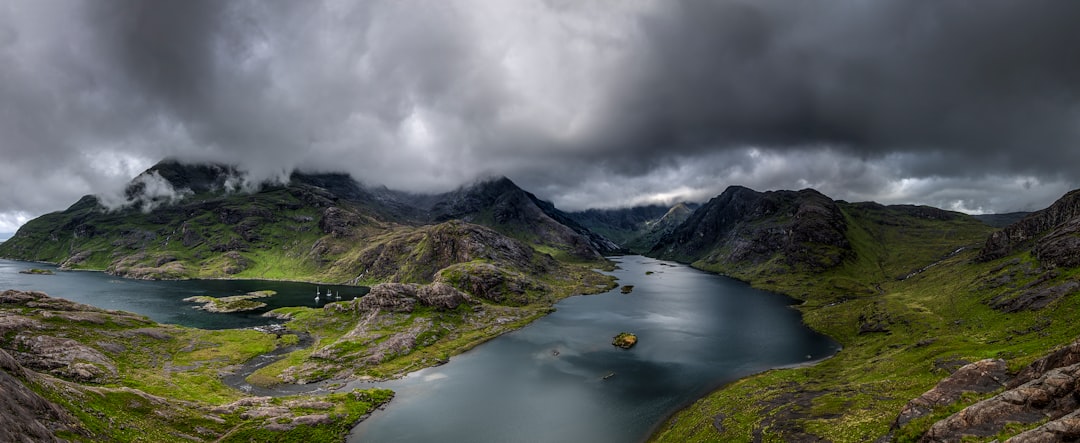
<point>922,299</point>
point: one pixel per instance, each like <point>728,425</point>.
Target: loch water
<point>163,301</point>
<point>559,379</point>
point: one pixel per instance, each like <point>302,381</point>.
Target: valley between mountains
<point>953,327</point>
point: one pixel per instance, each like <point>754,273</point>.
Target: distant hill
<point>1001,220</point>
<point>185,221</point>
<point>914,294</point>
<point>637,228</point>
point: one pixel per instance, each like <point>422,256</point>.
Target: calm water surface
<point>545,382</point>
<point>162,301</point>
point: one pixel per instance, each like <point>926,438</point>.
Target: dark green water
<point>696,331</point>
<point>162,301</point>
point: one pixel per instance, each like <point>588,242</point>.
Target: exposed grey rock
<point>26,416</point>
<point>441,296</point>
<point>1034,299</point>
<point>395,297</point>
<point>1066,428</point>
<point>63,357</point>
<point>982,376</point>
<point>1049,396</point>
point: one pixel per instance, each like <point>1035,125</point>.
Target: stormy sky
<point>965,105</point>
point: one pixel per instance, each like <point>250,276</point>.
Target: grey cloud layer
<point>590,103</point>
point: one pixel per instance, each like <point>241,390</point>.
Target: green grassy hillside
<point>910,305</point>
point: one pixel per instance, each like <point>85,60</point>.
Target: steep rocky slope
<point>802,229</point>
<point>503,206</point>
<point>1052,234</point>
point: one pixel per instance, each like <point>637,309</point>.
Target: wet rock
<point>982,376</point>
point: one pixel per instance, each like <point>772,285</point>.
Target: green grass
<point>935,316</point>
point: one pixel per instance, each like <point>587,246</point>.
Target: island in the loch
<point>625,340</point>
<point>235,303</point>
<point>36,271</point>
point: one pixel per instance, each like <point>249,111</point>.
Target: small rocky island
<point>624,340</point>
<point>626,289</point>
<point>236,303</point>
<point>36,271</point>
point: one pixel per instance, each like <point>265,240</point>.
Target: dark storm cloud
<point>984,80</point>
<point>972,105</point>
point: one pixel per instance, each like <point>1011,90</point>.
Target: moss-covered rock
<point>624,340</point>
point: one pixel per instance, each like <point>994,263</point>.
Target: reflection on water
<point>162,301</point>
<point>546,382</point>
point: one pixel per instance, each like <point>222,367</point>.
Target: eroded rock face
<point>1055,227</point>
<point>1051,395</point>
<point>394,297</point>
<point>1066,428</point>
<point>26,416</point>
<point>63,357</point>
<point>982,376</point>
<point>441,296</point>
<point>403,297</point>
<point>1066,356</point>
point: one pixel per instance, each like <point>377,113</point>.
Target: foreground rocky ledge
<point>1042,397</point>
<point>69,371</point>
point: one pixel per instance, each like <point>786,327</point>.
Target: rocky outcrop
<point>1049,396</point>
<point>1046,390</point>
<point>63,357</point>
<point>1066,356</point>
<point>26,416</point>
<point>490,282</point>
<point>1035,298</point>
<point>803,228</point>
<point>1052,233</point>
<point>416,255</point>
<point>982,376</point>
<point>403,297</point>
<point>1066,428</point>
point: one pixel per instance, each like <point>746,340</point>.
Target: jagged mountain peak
<point>196,177</point>
<point>741,225</point>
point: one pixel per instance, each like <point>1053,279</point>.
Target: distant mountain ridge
<point>636,228</point>
<point>182,220</point>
